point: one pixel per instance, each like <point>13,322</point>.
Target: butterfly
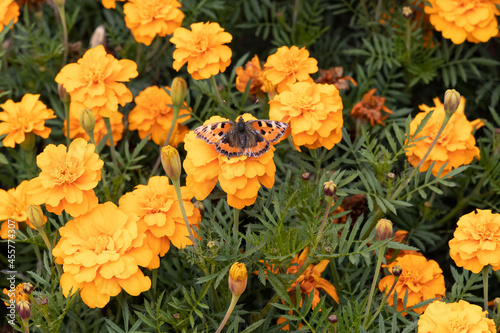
<point>250,138</point>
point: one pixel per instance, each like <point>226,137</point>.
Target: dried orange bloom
<point>77,131</point>
<point>455,146</point>
<point>474,20</point>
<point>289,65</point>
<point>240,177</point>
<point>334,76</point>
<point>68,178</point>
<point>476,241</point>
<point>422,278</point>
<point>153,116</point>
<point>13,206</point>
<point>100,258</point>
<point>160,216</point>
<point>314,112</point>
<point>29,3</point>
<point>110,3</point>
<point>95,82</point>
<point>9,10</point>
<point>148,18</point>
<point>27,116</point>
<point>19,295</point>
<point>369,108</point>
<point>455,317</point>
<point>253,72</point>
<point>203,49</point>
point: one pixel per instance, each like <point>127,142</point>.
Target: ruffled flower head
<point>9,10</point>
<point>153,116</point>
<point>27,116</point>
<point>67,178</point>
<point>100,253</point>
<point>476,241</point>
<point>110,3</point>
<point>95,82</point>
<point>253,72</point>
<point>76,130</point>
<point>240,177</point>
<point>202,48</point>
<point>148,18</point>
<point>17,296</point>
<point>313,111</point>
<point>455,146</point>
<point>370,108</point>
<point>160,216</point>
<point>474,20</point>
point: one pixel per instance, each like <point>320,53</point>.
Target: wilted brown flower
<point>333,75</point>
<point>369,108</point>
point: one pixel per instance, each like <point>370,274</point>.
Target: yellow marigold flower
<point>67,178</point>
<point>202,48</point>
<point>289,65</point>
<point>476,241</point>
<point>148,18</point>
<point>27,116</point>
<point>240,177</point>
<point>455,317</point>
<point>422,278</point>
<point>94,82</point>
<point>253,72</point>
<point>474,20</point>
<point>153,116</point>
<point>110,3</point>
<point>158,210</point>
<point>9,10</point>
<point>77,131</point>
<point>19,294</point>
<point>13,206</point>
<point>369,108</point>
<point>455,146</point>
<point>314,112</point>
<point>100,253</point>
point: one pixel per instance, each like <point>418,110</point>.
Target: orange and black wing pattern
<point>271,130</point>
<point>213,133</point>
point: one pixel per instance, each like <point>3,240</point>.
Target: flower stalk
<point>381,252</point>
<point>107,122</point>
<point>485,272</point>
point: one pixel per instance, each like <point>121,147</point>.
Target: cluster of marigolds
<point>100,258</point>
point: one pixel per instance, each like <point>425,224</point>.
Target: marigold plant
<point>17,295</point>
<point>253,73</point>
<point>9,10</point>
<point>76,130</point>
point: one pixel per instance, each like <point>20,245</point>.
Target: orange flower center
<point>63,174</point>
<point>94,74</point>
<point>201,44</point>
<point>290,66</point>
<point>460,326</point>
<point>158,203</point>
<point>101,244</point>
<point>149,10</point>
<point>483,232</point>
<point>306,103</point>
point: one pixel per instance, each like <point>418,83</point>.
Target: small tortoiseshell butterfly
<point>250,138</point>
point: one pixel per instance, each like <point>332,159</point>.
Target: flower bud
<point>178,91</point>
<point>98,37</point>
<point>171,162</point>
<point>176,316</point>
<point>59,2</point>
<point>496,303</point>
<point>63,94</point>
<point>306,176</point>
<point>23,309</point>
<point>407,12</point>
<point>397,270</point>
<point>87,120</point>
<point>451,100</point>
<point>43,301</point>
<point>211,244</point>
<point>329,188</point>
<point>391,175</point>
<point>238,277</point>
<point>332,319</point>
<point>383,230</point>
<point>36,217</point>
<point>200,206</point>
<point>27,288</point>
<point>29,142</point>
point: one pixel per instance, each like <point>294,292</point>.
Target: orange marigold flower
<point>67,178</point>
<point>455,146</point>
<point>159,214</point>
<point>153,116</point>
<point>476,241</point>
<point>18,295</point>
<point>100,258</point>
<point>9,10</point>
<point>148,18</point>
<point>240,177</point>
<point>369,108</point>
<point>253,72</point>
<point>314,112</point>
<point>334,76</point>
<point>27,116</point>
<point>76,130</point>
<point>474,20</point>
<point>455,317</point>
<point>202,48</point>
<point>94,82</point>
<point>289,65</point>
<point>110,3</point>
<point>422,278</point>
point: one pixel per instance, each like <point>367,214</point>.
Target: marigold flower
<point>422,278</point>
<point>383,230</point>
<point>159,213</point>
<point>474,20</point>
<point>314,112</point>
<point>110,3</point>
<point>100,253</point>
<point>476,241</point>
<point>238,278</point>
<point>95,82</point>
<point>334,76</point>
<point>27,116</point>
<point>369,108</point>
<point>77,131</point>
<point>23,309</point>
<point>153,115</point>
<point>240,177</point>
<point>455,317</point>
<point>67,178</point>
<point>13,206</point>
<point>148,18</point>
<point>202,48</point>
<point>18,295</point>
<point>9,10</point>
<point>289,65</point>
<point>253,72</point>
<point>455,146</point>
<point>171,162</point>
<point>178,91</point>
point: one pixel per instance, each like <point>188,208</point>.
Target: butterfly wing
<point>271,130</point>
<point>213,133</point>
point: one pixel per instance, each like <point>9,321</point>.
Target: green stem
<point>154,280</point>
<point>62,15</point>
<point>408,41</point>
<point>236,221</point>
<point>365,9</point>
<point>177,186</point>
<point>325,216</point>
<point>107,122</point>
<point>234,300</point>
<point>485,271</point>
<point>66,114</point>
<point>382,303</point>
<point>216,91</point>
<point>381,253</point>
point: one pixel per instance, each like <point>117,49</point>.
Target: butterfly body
<point>250,138</point>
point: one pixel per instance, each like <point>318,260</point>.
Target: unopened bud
<point>59,2</point>
<point>200,206</point>
<point>210,244</point>
<point>98,37</point>
<point>23,309</point>
<point>178,91</point>
<point>87,120</point>
<point>36,217</point>
<point>171,162</point>
<point>43,301</point>
<point>328,249</point>
<point>333,319</point>
<point>176,316</point>
<point>306,176</point>
<point>329,188</point>
<point>383,230</point>
<point>451,100</point>
<point>238,277</point>
<point>496,302</point>
<point>390,175</point>
<point>397,270</point>
<point>63,94</point>
<point>407,12</point>
<point>27,288</point>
